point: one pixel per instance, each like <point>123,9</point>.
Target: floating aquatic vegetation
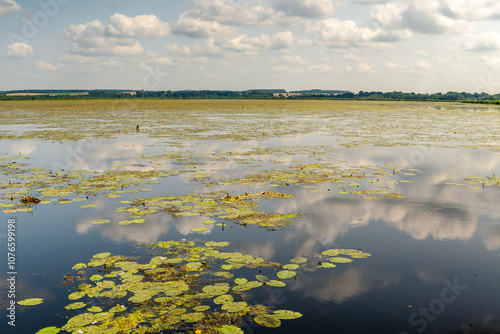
<point>242,209</point>
<point>30,301</point>
<point>49,330</point>
<point>179,289</point>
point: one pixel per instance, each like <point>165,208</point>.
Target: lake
<point>249,216</point>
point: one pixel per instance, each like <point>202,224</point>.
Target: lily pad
<point>291,266</point>
<point>267,320</point>
<point>285,314</point>
<point>30,301</point>
<point>234,307</point>
<point>229,329</point>
<point>199,229</point>
<point>284,274</point>
<point>240,281</point>
<point>223,299</point>
<point>94,309</point>
<point>192,317</point>
<point>49,330</point>
<point>276,284</point>
<point>79,266</point>
<point>100,221</point>
<point>339,259</point>
<point>75,306</point>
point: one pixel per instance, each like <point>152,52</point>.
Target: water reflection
<point>438,231</point>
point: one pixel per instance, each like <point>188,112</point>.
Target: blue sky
<point>407,45</point>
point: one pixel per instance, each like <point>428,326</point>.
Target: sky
<point>422,46</point>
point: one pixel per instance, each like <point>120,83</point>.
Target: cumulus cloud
<point>423,16</point>
<point>19,50</point>
<point>95,39</point>
<point>337,33</point>
<point>423,64</point>
<point>44,66</point>
<point>177,50</point>
<point>245,43</point>
<point>7,7</point>
<point>295,59</point>
<point>305,8</point>
<point>258,12</point>
<point>139,26</point>
<point>198,28</point>
<point>488,41</point>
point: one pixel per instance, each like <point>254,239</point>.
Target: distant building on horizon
<point>287,95</point>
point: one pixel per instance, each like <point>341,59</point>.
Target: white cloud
<point>391,66</point>
<point>319,68</point>
<point>93,39</point>
<point>8,7</point>
<point>197,28</point>
<point>244,43</point>
<point>19,50</point>
<point>208,48</point>
<point>258,12</point>
<point>44,66</point>
<point>365,67</point>
<point>337,33</point>
<point>305,8</point>
<point>424,16</point>
<point>138,26</point>
<point>473,10</point>
<point>488,41</point>
<point>176,50</point>
<point>423,64</point>
<point>493,63</point>
<point>283,40</point>
<point>295,59</point>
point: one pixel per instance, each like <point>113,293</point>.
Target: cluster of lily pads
<point>354,123</point>
<point>187,286</point>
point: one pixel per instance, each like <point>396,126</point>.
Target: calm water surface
<point>435,253</point>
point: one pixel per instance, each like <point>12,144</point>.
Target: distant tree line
<point>251,94</point>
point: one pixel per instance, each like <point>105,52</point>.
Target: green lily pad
<point>331,252</point>
<point>192,317</point>
<point>30,301</point>
<point>284,274</point>
<point>201,308</point>
<point>267,320</point>
<point>276,284</point>
<point>75,306</point>
<point>96,277</point>
<point>100,221</point>
<point>326,265</point>
<point>94,309</point>
<point>223,299</point>
<point>230,329</point>
<point>361,255</point>
<point>234,307</point>
<point>285,314</point>
<point>79,266</point>
<point>199,229</point>
<point>339,259</point>
<point>291,266</point>
<point>240,281</point>
<point>216,289</point>
<point>299,260</point>
<point>76,295</point>
<point>261,278</point>
<point>49,330</point>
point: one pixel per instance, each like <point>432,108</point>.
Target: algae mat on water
<point>180,288</point>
